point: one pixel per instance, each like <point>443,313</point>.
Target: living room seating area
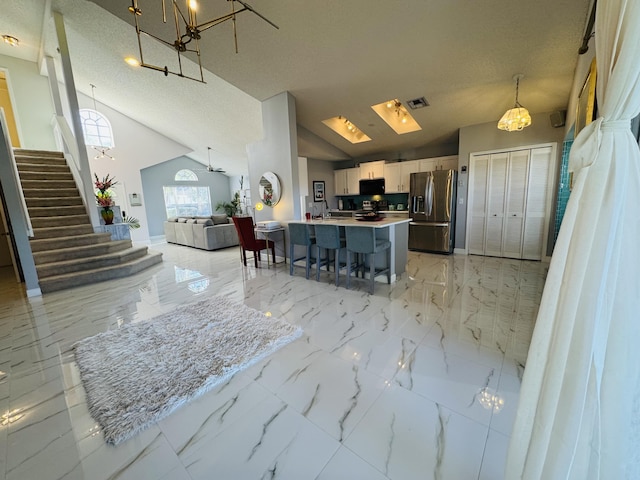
<point>205,232</point>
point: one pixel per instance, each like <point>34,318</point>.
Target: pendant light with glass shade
<point>518,117</point>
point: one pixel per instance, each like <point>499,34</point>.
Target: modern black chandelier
<point>188,30</point>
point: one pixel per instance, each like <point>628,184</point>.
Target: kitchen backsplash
<point>394,199</point>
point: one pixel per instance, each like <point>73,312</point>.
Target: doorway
<point>7,105</point>
<point>9,260</point>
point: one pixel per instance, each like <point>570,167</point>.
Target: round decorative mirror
<point>269,189</point>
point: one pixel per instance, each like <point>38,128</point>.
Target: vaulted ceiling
<point>335,57</point>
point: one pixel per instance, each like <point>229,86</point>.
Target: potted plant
<point>104,197</point>
<point>230,208</point>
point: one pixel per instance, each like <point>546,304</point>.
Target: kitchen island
<point>396,230</point>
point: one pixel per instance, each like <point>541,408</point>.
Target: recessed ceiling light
<point>13,41</point>
<point>396,116</point>
<point>134,62</point>
<point>346,129</point>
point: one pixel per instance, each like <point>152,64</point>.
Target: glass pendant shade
<point>518,117</point>
<point>515,119</point>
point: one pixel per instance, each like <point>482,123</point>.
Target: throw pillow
<point>219,219</point>
<point>207,222</point>
<point>172,219</point>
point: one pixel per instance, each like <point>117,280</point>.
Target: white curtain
<point>579,410</point>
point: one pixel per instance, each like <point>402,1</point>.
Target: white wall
<point>136,147</point>
<point>322,170</point>
<point>32,101</point>
<point>278,153</point>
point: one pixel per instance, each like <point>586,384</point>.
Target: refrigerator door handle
<point>430,195</point>
<point>426,198</point>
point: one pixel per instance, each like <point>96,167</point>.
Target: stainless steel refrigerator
<point>432,203</point>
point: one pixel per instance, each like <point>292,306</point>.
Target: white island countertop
<point>352,222</point>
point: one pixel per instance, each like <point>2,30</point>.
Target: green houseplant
<point>232,207</point>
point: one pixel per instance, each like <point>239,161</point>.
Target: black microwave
<point>372,187</point>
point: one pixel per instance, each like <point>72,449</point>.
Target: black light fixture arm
<point>192,32</point>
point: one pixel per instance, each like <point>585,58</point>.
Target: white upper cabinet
<point>438,163</point>
<point>369,170</point>
<point>397,176</point>
<point>347,181</point>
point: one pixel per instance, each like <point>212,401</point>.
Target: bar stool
<point>328,237</point>
<point>362,240</point>
<point>300,234</point>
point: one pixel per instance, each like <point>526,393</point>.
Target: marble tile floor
<point>419,380</point>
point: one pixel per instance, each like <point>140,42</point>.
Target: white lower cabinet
<point>509,202</point>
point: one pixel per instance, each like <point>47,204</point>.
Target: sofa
<point>208,233</point>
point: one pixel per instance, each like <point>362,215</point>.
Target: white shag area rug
<point>138,374</point>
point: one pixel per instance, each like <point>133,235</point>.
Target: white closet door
<point>479,173</point>
<point>515,205</point>
<point>495,204</point>
<point>535,224</point>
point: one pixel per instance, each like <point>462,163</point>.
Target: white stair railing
<point>70,149</point>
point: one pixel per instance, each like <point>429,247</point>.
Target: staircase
<point>66,251</point>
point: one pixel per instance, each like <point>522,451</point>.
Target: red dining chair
<point>248,241</point>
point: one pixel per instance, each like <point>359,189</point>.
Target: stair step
<point>59,231</point>
<point>69,280</point>
<point>81,251</point>
<point>57,210</point>
<point>42,168</point>
<point>58,221</point>
<point>24,152</point>
<point>37,175</point>
<point>50,192</point>
<point>22,159</point>
<point>48,184</point>
<point>90,263</point>
<point>54,202</point>
<point>45,244</point>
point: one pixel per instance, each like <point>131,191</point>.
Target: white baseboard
<point>155,239</point>
<point>34,292</point>
<point>460,251</point>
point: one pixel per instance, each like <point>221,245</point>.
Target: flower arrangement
<point>103,196</point>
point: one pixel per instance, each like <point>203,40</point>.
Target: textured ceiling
<point>336,58</point>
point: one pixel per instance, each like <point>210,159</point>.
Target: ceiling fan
<point>209,167</point>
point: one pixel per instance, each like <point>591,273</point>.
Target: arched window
<point>96,128</point>
<point>186,175</point>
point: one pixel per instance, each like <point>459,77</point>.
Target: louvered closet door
<point>535,224</point>
<point>478,191</point>
<point>515,204</point>
<point>495,204</point>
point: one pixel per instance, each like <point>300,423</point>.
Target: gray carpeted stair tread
<point>80,251</point>
<point>47,211</point>
<point>51,184</point>
<point>26,152</point>
<point>61,282</point>
<point>43,244</point>
<point>42,168</point>
<point>48,193</point>
<point>60,220</point>
<point>55,202</point>
<point>38,175</point>
<point>90,263</point>
<point>55,232</point>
